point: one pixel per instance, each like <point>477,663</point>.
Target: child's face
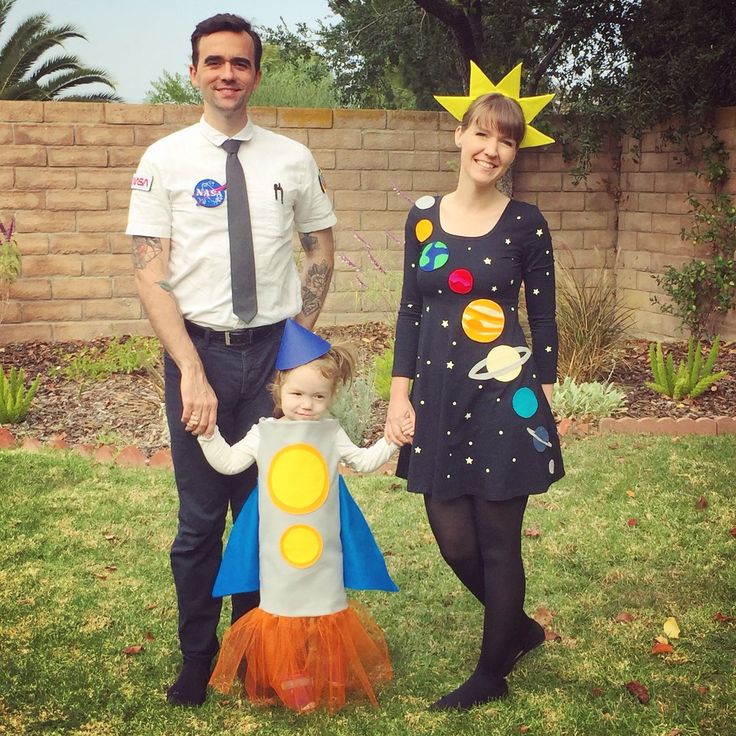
<point>305,393</point>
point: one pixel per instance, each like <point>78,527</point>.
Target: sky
<point>134,46</point>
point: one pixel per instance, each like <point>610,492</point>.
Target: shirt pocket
<point>271,210</point>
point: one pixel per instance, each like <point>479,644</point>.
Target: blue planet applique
<point>434,255</point>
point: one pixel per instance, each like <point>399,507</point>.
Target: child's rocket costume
<point>302,540</point>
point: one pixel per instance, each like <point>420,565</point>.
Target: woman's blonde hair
<point>337,365</point>
<point>497,112</point>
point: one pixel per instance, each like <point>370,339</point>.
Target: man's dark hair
<point>226,22</point>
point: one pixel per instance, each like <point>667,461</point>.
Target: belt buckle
<point>227,338</point>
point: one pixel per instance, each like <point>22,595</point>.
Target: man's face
<point>225,73</point>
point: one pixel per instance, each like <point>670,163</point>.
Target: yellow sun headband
<point>509,86</point>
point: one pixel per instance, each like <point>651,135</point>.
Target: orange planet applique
<point>483,320</point>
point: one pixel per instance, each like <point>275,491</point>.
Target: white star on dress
<point>540,232</point>
<point>450,365</point>
<point>535,292</point>
<point>445,323</point>
<point>548,349</point>
<point>508,241</point>
<point>487,261</point>
<point>468,415</point>
<point>494,288</point>
<point>417,450</point>
<point>469,460</point>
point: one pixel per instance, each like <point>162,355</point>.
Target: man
<point>218,302</point>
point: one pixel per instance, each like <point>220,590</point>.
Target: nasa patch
<point>209,193</point>
<point>143,183</point>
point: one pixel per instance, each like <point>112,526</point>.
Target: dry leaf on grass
<point>534,531</point>
<point>543,616</point>
<point>701,503</point>
<point>639,691</point>
<point>723,618</point>
<point>670,628</point>
<point>624,617</point>
<point>660,648</point>
<point>135,649</point>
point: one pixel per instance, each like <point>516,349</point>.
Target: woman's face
<point>485,154</point>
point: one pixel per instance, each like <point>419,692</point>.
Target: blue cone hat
<point>299,346</point>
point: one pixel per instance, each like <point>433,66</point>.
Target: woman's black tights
<point>481,541</point>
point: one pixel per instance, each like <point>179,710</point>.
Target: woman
<point>484,438</point>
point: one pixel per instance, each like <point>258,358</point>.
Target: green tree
<point>172,89</point>
<point>398,53</point>
<point>27,74</point>
<point>289,80</point>
<point>294,81</point>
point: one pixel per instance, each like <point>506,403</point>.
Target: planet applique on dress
<point>524,402</point>
<point>434,255</point>
<point>460,281</point>
<point>483,320</point>
<point>540,438</point>
<point>425,202</point>
<point>503,363</point>
<point>423,229</point>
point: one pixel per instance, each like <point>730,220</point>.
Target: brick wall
<point>653,209</point>
<point>65,171</point>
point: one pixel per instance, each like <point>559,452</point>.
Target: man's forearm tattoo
<point>315,287</point>
<point>166,286</point>
<point>145,250</point>
<point>309,241</point>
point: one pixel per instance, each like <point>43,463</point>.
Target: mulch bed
<point>127,409</point>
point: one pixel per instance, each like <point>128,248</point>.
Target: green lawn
<point>84,573</point>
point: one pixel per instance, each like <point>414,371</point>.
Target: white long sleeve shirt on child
<point>232,459</point>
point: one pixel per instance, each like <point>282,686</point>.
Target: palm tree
<point>24,75</point>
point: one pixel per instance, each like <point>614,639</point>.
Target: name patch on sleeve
<point>144,183</point>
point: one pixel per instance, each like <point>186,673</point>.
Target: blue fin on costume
<point>363,565</point>
<point>362,562</point>
<point>239,570</point>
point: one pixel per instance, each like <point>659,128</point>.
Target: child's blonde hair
<point>337,365</point>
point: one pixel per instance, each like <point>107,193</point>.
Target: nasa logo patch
<point>143,183</point>
<point>209,193</point>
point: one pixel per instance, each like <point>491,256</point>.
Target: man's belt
<point>246,336</point>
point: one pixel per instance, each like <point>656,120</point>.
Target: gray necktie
<point>242,261</point>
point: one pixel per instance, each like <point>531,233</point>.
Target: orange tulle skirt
<point>304,662</point>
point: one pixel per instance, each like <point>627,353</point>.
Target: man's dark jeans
<point>240,377</point>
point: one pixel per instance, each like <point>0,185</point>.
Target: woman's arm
<point>400,414</point>
<point>539,288</point>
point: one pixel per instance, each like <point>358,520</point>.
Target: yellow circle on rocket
<point>483,320</point>
<point>298,481</point>
<point>301,545</point>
